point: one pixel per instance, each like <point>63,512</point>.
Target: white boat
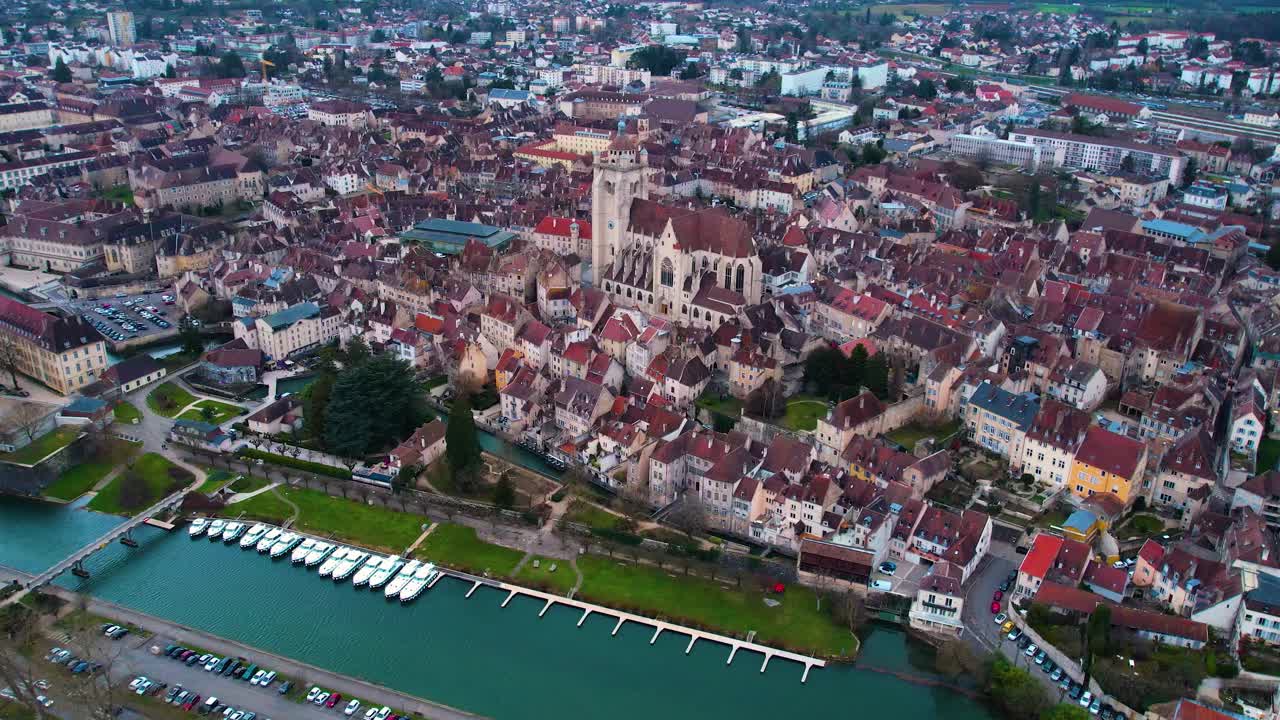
<point>390,566</point>
<point>318,553</point>
<point>421,579</point>
<point>264,545</point>
<point>301,552</point>
<point>339,555</point>
<point>397,583</point>
<point>348,566</point>
<point>215,529</point>
<point>232,532</point>
<point>198,526</point>
<point>364,573</point>
<point>287,542</point>
<point>252,537</point>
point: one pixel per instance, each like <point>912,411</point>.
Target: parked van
<point>208,705</point>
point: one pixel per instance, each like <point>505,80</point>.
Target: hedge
<point>286,461</point>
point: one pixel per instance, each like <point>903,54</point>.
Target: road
<point>980,630</point>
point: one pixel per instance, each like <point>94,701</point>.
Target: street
<point>980,627</point>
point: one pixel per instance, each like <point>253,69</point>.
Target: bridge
<point>122,532</point>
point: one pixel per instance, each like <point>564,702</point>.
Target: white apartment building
<point>993,149</point>
<point>1086,152</point>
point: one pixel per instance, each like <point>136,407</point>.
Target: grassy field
<point>560,581</point>
<point>458,547</point>
<point>728,405</point>
<point>222,412</point>
<point>286,461</point>
<point>55,439</point>
<point>587,514</point>
<point>127,412</point>
<point>1057,8</point>
<point>119,194</point>
<point>803,413</point>
<point>917,8</point>
<point>154,471</point>
<point>214,480</point>
<point>348,520</point>
<point>795,623</point>
<point>908,435</point>
<point>168,399</point>
<point>78,480</point>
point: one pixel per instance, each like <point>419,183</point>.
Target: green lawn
<point>803,413</point>
<point>1268,454</point>
<point>214,481</point>
<point>1140,525</point>
<point>248,483</point>
<point>222,412</point>
<point>458,547</point>
<point>78,480</point>
<point>796,623</point>
<point>349,520</point>
<point>587,514</point>
<point>127,412</point>
<point>168,399</point>
<point>286,461</point>
<point>560,581</point>
<point>54,440</point>
<point>119,194</point>
<point>908,435</point>
<point>727,405</point>
<point>155,472</point>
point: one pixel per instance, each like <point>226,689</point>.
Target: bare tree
<point>10,357</point>
<point>96,692</point>
<point>689,516</point>
<point>18,636</point>
<point>30,418</point>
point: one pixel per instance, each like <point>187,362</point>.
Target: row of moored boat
<point>398,578</point>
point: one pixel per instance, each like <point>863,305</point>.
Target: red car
<point>998,596</point>
<point>333,700</point>
<point>195,700</point>
<point>995,608</point>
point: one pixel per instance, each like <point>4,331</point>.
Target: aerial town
<point>800,329</point>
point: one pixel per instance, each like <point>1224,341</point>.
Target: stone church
<point>697,266</point>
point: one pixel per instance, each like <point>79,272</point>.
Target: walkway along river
<point>471,654</point>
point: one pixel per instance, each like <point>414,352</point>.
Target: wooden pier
<point>658,626</point>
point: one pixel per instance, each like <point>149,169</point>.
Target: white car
<point>136,682</point>
<point>321,698</point>
<point>312,693</point>
<point>370,714</point>
<point>352,708</point>
<point>1086,698</point>
<point>212,663</point>
<point>257,677</point>
<point>383,712</point>
<point>269,678</point>
<point>7,694</point>
<point>44,701</point>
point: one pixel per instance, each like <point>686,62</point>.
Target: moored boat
<point>421,579</point>
<point>338,556</point>
<point>215,529</point>
<point>348,566</point>
<point>198,526</point>
<point>269,539</point>
<point>301,552</point>
<point>232,532</point>
<point>319,552</point>
<point>398,582</point>
<point>287,542</point>
<point>390,566</point>
<point>252,536</point>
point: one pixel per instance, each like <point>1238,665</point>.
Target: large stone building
<point>695,265</point>
<point>62,236</point>
<point>64,353</point>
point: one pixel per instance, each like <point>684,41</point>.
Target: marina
<point>447,648</point>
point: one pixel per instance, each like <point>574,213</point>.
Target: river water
<point>468,653</point>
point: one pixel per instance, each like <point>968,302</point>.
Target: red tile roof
<point>1040,559</point>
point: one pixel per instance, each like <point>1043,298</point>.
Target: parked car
<point>1014,634</point>
<point>1000,619</point>
<point>333,700</point>
<point>1031,650</point>
<point>1007,626</point>
<point>998,596</point>
<point>995,607</point>
<point>888,568</point>
<point>1086,698</point>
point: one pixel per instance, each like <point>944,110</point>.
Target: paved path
<point>420,539</point>
<point>240,497</point>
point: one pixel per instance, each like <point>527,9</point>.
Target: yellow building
<point>1107,463</point>
<point>63,353</point>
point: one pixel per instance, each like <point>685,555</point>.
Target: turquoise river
<point>467,653</point>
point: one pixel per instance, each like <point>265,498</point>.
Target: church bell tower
<point>618,179</point>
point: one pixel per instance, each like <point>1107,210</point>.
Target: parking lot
<point>128,317</point>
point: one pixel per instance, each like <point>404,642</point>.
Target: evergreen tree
<point>169,72</point>
<point>461,441</point>
<point>315,405</point>
<point>61,73</point>
<point>1273,255</point>
<point>876,378</point>
<point>504,493</point>
<point>379,402</point>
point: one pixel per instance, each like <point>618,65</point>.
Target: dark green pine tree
<point>461,442</point>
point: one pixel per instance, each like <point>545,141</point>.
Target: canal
<point>468,653</point>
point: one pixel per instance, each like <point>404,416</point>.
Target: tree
<point>230,65</point>
<point>61,73</point>
<point>315,405</point>
<point>1189,174</point>
<point>504,492</point>
<point>170,72</point>
<point>190,336</point>
<point>876,378</point>
<point>657,59</point>
<point>135,494</point>
<point>1144,47</point>
<point>965,177</point>
<point>688,516</point>
<point>356,353</point>
<point>379,402</point>
<point>378,36</point>
<point>1097,637</point>
<point>208,413</point>
<point>1015,691</point>
<point>1273,255</point>
<point>767,401</point>
<point>31,418</point>
<point>10,357</point>
<point>955,658</point>
<point>462,442</point>
<point>927,89</point>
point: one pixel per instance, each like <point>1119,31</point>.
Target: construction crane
<point>266,64</point>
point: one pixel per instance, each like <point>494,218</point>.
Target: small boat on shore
<point>338,556</point>
<point>348,566</point>
<point>253,535</point>
<point>319,552</point>
<point>232,532</point>
<point>215,529</point>
<point>421,579</point>
<point>398,582</point>
<point>198,526</point>
<point>301,552</point>
<point>264,545</point>
<point>287,542</point>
